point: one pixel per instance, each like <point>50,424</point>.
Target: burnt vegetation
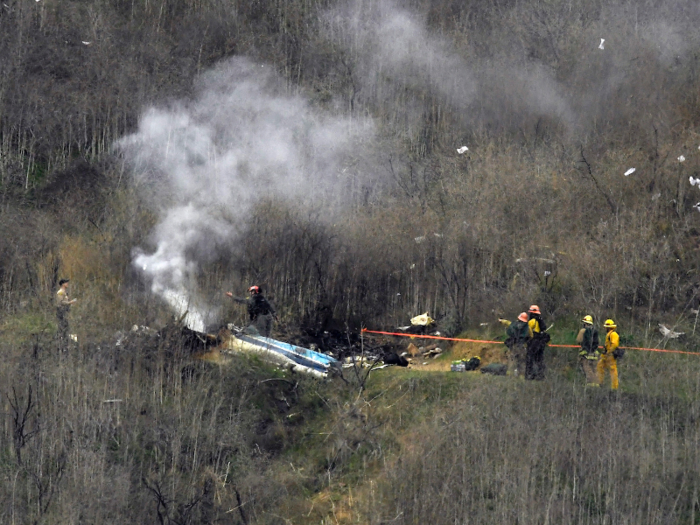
<point>538,210</point>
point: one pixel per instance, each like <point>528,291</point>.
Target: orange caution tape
<point>501,342</point>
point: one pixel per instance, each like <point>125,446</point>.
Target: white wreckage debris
<point>667,333</point>
<point>422,320</point>
<point>602,44</point>
<point>462,150</point>
<point>630,172</point>
<point>681,159</point>
<point>697,206</point>
<point>694,181</point>
<point>286,355</point>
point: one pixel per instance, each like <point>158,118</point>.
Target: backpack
<point>618,353</point>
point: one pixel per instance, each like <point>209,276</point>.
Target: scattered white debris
<point>462,150</point>
<point>668,333</point>
<point>483,324</point>
<point>602,44</point>
<point>681,159</point>
<point>694,181</point>
<point>422,320</point>
<point>419,239</point>
<point>697,206</point>
<point>74,338</point>
<point>656,196</point>
<point>86,43</point>
<point>696,312</point>
<point>412,266</point>
<point>438,235</point>
<point>630,172</point>
<point>547,273</point>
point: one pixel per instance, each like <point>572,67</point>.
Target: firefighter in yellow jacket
<point>608,358</point>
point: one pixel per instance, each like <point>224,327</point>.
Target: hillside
<point>363,162</point>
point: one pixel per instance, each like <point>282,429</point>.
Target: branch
<point>613,206</point>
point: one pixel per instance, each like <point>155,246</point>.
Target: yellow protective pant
<point>608,361</point>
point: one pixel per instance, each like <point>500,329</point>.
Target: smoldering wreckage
<point>329,352</point>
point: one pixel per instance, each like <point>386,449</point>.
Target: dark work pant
<point>534,365</point>
<point>263,324</point>
<point>63,332</point>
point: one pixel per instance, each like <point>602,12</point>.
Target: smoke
<point>204,164</point>
<point>399,66</point>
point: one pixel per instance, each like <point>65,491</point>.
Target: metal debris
<point>602,44</point>
<point>630,172</point>
<point>462,150</point>
<point>668,333</point>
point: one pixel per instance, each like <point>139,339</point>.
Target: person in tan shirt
<point>63,304</point>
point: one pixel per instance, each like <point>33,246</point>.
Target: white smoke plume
<point>205,163</point>
<point>396,62</point>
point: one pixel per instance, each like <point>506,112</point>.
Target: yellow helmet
<point>588,319</point>
<point>610,324</point>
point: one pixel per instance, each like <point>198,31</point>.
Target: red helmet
<point>254,289</point>
<point>523,317</point>
<point>534,309</point>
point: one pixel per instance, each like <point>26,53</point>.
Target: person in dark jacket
<point>260,311</point>
<point>588,356</point>
<point>519,334</point>
<point>534,366</point>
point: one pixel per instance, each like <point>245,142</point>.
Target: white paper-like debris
<point>547,273</point>
<point>630,172</point>
<point>681,159</point>
<point>697,206</point>
<point>86,43</point>
<point>668,333</point>
<point>419,239</point>
<point>694,181</point>
<point>655,196</point>
<point>602,44</point>
<point>463,149</point>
